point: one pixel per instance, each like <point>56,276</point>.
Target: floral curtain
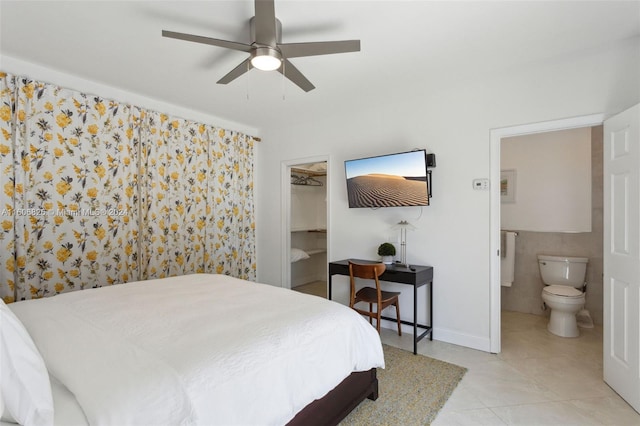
<point>197,199</point>
<point>95,192</point>
<point>174,196</point>
<point>7,187</point>
<point>75,191</point>
<point>231,235</point>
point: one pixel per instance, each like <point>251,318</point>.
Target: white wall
<point>454,122</point>
<point>553,181</point>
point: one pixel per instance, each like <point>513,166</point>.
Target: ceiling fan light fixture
<point>266,59</point>
<point>266,51</point>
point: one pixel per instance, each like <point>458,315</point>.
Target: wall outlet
<point>481,184</point>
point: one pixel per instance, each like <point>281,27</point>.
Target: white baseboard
<point>447,336</point>
<point>462,339</point>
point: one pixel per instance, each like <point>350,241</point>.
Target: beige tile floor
<point>315,288</point>
<point>537,378</point>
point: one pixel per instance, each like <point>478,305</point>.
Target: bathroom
<point>554,203</point>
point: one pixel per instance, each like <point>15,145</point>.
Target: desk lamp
<point>403,226</point>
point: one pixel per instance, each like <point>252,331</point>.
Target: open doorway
<point>619,353</point>
<point>497,136</point>
<point>552,207</point>
<point>305,199</point>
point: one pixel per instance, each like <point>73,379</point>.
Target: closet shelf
<point>319,230</point>
<point>315,251</point>
<point>309,172</point>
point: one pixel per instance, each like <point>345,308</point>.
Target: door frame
<point>285,174</point>
<point>496,137</point>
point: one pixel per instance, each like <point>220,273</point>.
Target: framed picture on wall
<point>507,186</point>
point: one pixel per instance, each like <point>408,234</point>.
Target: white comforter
<point>199,349</point>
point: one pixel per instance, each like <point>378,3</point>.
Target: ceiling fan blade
<point>265,22</point>
<point>208,40</point>
<point>293,74</point>
<point>296,50</point>
<point>236,72</point>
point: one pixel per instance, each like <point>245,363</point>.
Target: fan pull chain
<point>248,69</point>
<point>283,81</point>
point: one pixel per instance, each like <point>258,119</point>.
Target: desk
<point>398,273</point>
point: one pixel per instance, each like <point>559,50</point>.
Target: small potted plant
<point>387,251</point>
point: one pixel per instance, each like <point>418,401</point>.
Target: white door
<point>622,255</point>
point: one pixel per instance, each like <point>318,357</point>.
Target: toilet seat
<point>564,291</point>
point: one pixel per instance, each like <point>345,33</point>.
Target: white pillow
<point>297,254</point>
<point>24,381</point>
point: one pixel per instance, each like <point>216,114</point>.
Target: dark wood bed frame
<point>338,403</point>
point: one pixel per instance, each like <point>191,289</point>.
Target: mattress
<point>197,349</point>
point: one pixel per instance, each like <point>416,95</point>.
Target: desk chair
<point>370,295</point>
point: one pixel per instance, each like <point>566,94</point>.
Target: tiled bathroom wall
<point>526,293</point>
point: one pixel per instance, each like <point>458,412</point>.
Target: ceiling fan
<point>267,52</point>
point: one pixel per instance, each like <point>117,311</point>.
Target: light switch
<point>481,184</point>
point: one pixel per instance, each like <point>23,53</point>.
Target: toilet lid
<point>562,290</point>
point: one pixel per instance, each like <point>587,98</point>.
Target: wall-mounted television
<point>392,180</point>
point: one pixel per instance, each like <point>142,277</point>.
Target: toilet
<point>564,280</point>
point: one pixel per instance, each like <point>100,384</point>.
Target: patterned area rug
<point>412,389</point>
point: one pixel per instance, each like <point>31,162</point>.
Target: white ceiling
<point>408,47</point>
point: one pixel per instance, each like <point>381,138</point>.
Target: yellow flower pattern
<point>7,173</point>
<point>95,192</point>
<point>183,195</point>
<point>66,204</point>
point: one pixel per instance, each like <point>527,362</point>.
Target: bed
<point>198,349</point>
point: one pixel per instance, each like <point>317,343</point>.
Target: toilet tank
<point>563,270</point>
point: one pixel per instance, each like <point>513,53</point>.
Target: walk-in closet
<point>309,228</point>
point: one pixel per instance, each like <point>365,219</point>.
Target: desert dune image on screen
<point>397,180</point>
